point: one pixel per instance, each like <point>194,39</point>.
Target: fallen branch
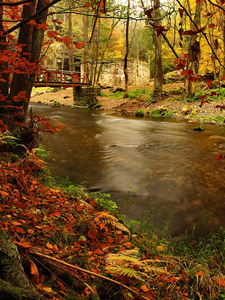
<point>86,271</point>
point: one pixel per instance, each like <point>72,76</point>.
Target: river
<point>152,162</point>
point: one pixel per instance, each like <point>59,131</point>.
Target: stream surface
<point>151,162</point>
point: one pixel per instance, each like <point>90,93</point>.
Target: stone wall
<point>112,73</point>
<point>85,96</point>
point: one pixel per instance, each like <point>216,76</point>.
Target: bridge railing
<point>58,78</point>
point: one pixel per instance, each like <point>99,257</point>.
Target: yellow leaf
<point>160,248</point>
<point>47,289</point>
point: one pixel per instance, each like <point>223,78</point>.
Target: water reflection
<point>168,163</point>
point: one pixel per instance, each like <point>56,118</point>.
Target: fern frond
<point>118,259</point>
<point>127,272</point>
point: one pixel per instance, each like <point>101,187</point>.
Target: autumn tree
<point>20,56</point>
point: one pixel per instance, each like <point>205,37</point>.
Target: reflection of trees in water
<point>167,163</point>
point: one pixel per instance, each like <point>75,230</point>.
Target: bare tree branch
<point>14,3</point>
<point>37,14</point>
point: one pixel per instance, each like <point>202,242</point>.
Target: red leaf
<point>223,78</point>
<point>181,12</point>
<point>211,25</point>
<point>186,72</point>
<point>87,5</point>
<point>209,82</point>
<point>57,21</point>
<point>148,12</point>
<point>42,26</point>
<point>213,93</point>
<point>52,34</point>
<point>79,45</point>
<point>220,157</point>
<point>92,234</point>
<point>99,251</point>
<point>221,107</point>
<point>193,32</point>
<point>200,105</point>
<point>186,55</point>
<point>181,31</point>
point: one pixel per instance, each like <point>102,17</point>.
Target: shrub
<point>139,113</point>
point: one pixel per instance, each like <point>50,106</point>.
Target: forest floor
<point>172,103</point>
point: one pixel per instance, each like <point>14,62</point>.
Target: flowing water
<point>155,163</point>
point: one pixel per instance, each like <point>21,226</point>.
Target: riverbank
<point>75,245</point>
<point>172,103</point>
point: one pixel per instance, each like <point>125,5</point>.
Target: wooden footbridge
<point>59,78</point>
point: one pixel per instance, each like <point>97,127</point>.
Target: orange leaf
<point>50,246</point>
<point>122,249</point>
<point>79,207</point>
<point>48,228</point>
<point>220,281</point>
<point>4,194</point>
<point>99,251</point>
<point>60,285</point>
<point>144,288</point>
<point>23,244</point>
<point>110,239</point>
<point>20,230</point>
<point>34,271</point>
<point>223,78</point>
<point>200,273</point>
<point>16,223</point>
<point>30,231</point>
<point>32,22</point>
<point>93,203</point>
<point>128,245</point>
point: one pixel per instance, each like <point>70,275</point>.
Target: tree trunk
<point>125,70</point>
<point>12,272</point>
<point>85,26</point>
<point>194,48</point>
<point>158,79</point>
<point>71,51</point>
